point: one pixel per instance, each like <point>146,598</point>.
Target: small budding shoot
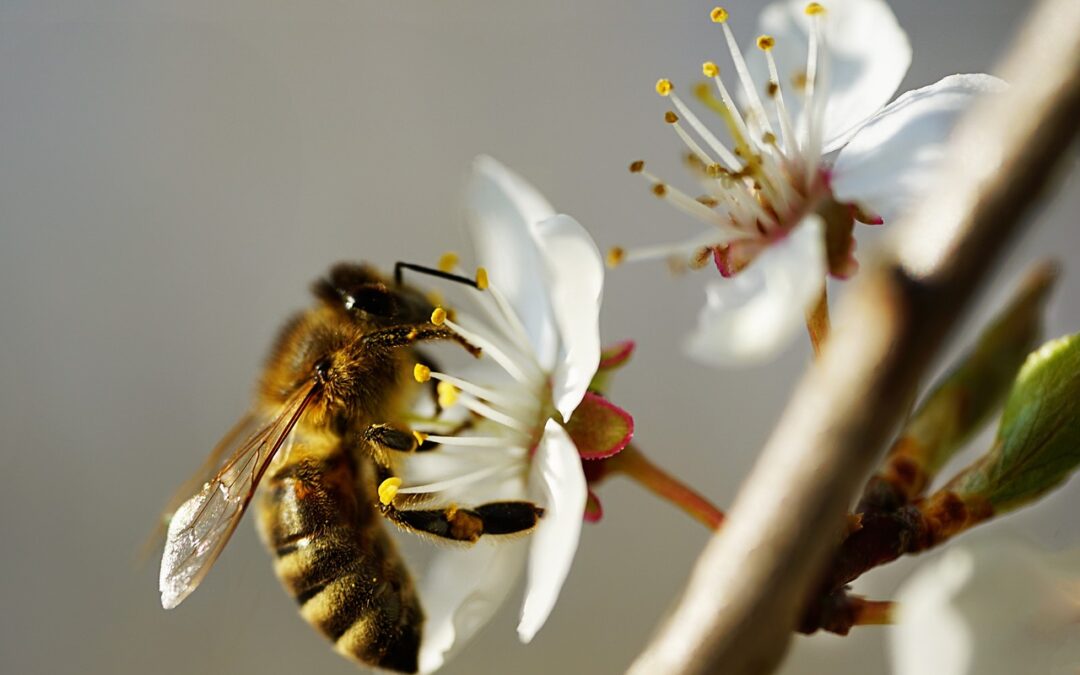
<point>1038,443</point>
<point>963,401</point>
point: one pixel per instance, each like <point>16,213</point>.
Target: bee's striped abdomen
<point>338,562</point>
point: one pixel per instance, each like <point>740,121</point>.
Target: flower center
<point>505,421</point>
<point>760,183</point>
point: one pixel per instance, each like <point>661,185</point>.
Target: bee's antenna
<point>431,271</point>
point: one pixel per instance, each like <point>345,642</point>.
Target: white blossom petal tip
<point>502,210</point>
<point>897,155</point>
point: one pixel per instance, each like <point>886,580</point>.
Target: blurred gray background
<point>174,174</point>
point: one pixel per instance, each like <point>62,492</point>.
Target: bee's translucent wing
<point>202,525</point>
<point>242,430</point>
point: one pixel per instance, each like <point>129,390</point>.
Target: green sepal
<point>599,428</point>
<point>612,358</point>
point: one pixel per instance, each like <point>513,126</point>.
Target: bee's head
<point>327,348</point>
<point>366,296</point>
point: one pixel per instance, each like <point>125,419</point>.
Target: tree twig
<point>753,581</point>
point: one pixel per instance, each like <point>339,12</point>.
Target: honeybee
<point>317,444</point>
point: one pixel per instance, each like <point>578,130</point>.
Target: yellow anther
<point>814,9</point>
<point>710,69</point>
<point>766,42</point>
<point>768,138</point>
<point>615,256</point>
<point>388,489</point>
<point>670,117</point>
<point>481,278</point>
<point>420,437</point>
<point>718,15</point>
<point>438,316</point>
<point>448,261</point>
<point>664,86</point>
<point>637,166</point>
<point>700,258</point>
<point>448,394</point>
<point>659,189</point>
<point>421,373</point>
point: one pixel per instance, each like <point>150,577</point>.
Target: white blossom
<point>813,143</point>
<point>540,339</point>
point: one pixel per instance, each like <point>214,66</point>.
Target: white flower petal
<point>559,482</point>
<point>868,53</point>
<point>575,284</point>
<point>461,591</point>
<point>501,210</point>
<point>895,157</point>
<point>751,316</point>
<point>930,634</point>
<point>989,609</point>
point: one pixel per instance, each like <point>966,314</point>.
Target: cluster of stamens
<point>502,420</point>
<point>762,183</point>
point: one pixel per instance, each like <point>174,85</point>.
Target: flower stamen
<point>689,205</point>
<point>448,262</point>
<point>489,347</point>
<point>457,481</point>
<point>714,143</point>
<point>815,81</point>
<point>777,94</point>
<point>699,152</point>
<point>745,79</point>
<point>389,489</point>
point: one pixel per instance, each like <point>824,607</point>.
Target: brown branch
<point>753,581</point>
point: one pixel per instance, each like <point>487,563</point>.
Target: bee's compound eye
<point>322,369</point>
<point>375,299</point>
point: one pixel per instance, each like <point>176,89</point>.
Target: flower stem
<point>817,322</point>
<point>837,612</point>
<point>637,466</point>
<point>873,612</point>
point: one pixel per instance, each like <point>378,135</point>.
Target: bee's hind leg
<point>466,524</point>
<point>455,523</point>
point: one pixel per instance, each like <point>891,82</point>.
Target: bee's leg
<point>403,336</point>
<point>457,523</point>
<point>384,439</point>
